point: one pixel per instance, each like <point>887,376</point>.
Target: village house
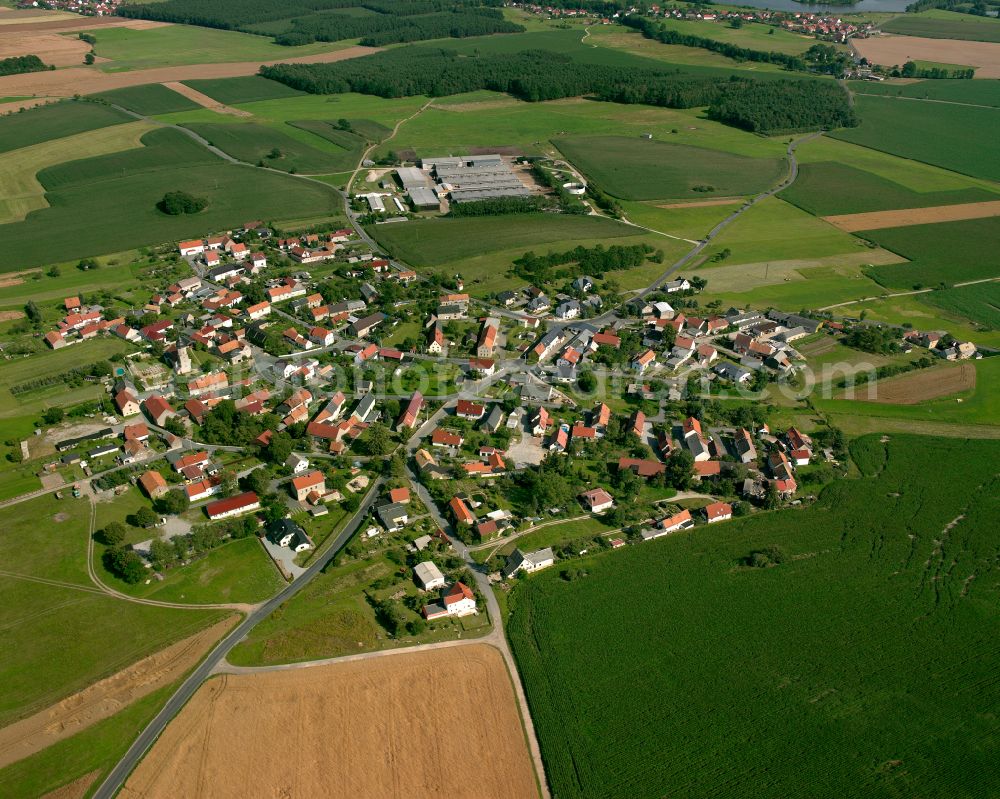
<point>718,512</point>
<point>529,562</point>
<point>303,486</point>
<point>597,500</point>
<point>459,600</point>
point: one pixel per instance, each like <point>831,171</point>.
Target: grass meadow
<point>254,143</point>
<point>940,24</point>
<point>47,538</point>
<point>774,230</point>
<point>174,45</point>
<point>828,187</point>
<point>860,664</point>
<point>957,137</point>
<point>645,169</point>
<point>754,36</point>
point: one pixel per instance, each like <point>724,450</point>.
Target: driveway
<point>285,556</point>
<point>528,449</point>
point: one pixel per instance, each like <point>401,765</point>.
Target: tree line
<point>822,58</point>
<point>593,261</point>
<point>20,64</point>
<point>381,29</point>
<point>536,75</point>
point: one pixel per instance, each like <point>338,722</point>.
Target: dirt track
<point>897,50</point>
<point>704,203</point>
<point>875,220</point>
<point>919,386</point>
<point>83,80</point>
<point>419,724</point>
<point>204,100</point>
<point>107,697</point>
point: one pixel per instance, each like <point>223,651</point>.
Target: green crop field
<point>435,242</point>
<point>939,24</point>
<point>55,121</point>
<point>254,143</point>
<point>163,150</point>
<point>645,169</point>
<point>828,187</point>
<point>153,98</point>
<point>773,230</point>
<point>971,92</point>
<point>958,137</point>
<point>979,303</point>
<point>949,252</point>
<point>351,146</point>
<point>248,89</point>
<point>173,45</point>
<point>47,538</point>
<point>83,221</point>
<point>913,175</point>
<point>861,664</point>
<point>691,222</point>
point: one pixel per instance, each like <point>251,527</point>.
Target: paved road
<point>116,778</point>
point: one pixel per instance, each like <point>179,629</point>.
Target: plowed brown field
<point>876,220</point>
<point>919,386</point>
<point>438,723</point>
<point>73,80</point>
<point>892,50</point>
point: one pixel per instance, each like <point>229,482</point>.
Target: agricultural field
<point>148,100</point>
<point>830,187</point>
<point>256,144</point>
<point>969,92</point>
<point>752,35</point>
<point>918,386</point>
<point>174,45</point>
<point>20,191</point>
<point>123,214</point>
<point>895,543</point>
<point>55,121</point>
<point>948,252</point>
<point>644,169</point>
<point>940,24</point>
<point>776,230</point>
<point>979,303</point>
<point>977,409</point>
<point>36,616</point>
<point>934,53</point>
<point>462,122</point>
<point>687,220</point>
<point>436,242</point>
<point>225,735</point>
<point>248,89</point>
<point>957,137</point>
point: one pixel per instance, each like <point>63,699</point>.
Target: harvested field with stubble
<point>894,50</point>
<point>876,220</point>
<point>372,727</point>
<point>919,386</point>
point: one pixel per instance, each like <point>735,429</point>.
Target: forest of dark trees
<point>308,21</point>
<point>381,29</point>
<point>791,105</point>
<point>594,261</point>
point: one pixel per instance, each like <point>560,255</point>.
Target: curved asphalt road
<point>116,778</point>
